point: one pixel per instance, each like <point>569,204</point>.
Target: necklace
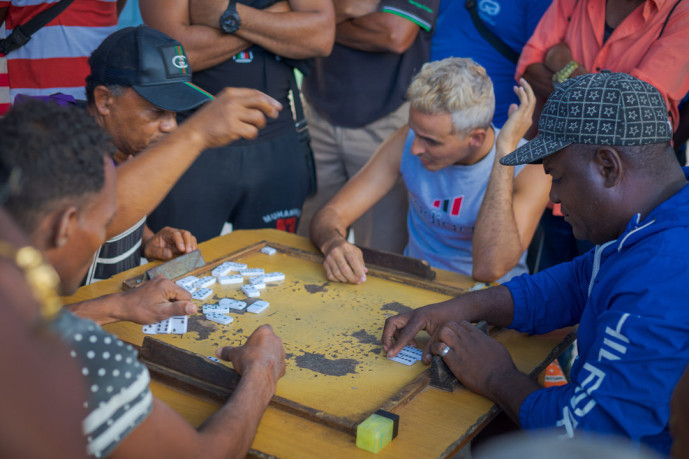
<point>42,278</point>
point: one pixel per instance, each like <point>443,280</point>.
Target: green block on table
<point>374,433</point>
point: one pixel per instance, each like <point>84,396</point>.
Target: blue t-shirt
<point>443,207</point>
<point>513,21</point>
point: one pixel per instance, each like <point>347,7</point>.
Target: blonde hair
<point>458,86</point>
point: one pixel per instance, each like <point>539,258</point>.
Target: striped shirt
<point>118,254</point>
<point>56,57</point>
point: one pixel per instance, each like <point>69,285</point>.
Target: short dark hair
<point>59,154</point>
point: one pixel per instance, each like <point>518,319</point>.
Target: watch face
<point>229,21</point>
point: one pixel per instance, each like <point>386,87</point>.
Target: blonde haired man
<point>467,213</point>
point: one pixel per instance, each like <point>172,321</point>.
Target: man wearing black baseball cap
<point>605,140</point>
<point>139,78</point>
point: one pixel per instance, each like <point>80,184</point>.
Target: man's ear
<point>477,137</point>
<point>102,100</point>
<point>608,163</point>
<point>66,224</point>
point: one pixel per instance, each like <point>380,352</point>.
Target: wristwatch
<point>229,20</point>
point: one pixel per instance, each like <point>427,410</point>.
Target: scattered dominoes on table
<point>257,282</point>
<point>164,326</point>
<point>217,308</point>
<point>178,325</point>
<point>235,304</point>
<point>409,355</point>
<point>258,306</point>
<point>233,279</point>
<point>202,294</point>
<point>250,291</point>
<point>205,282</point>
<point>189,288</point>
<point>273,277</point>
<point>219,318</point>
<point>268,250</point>
<point>236,266</point>
<point>214,359</point>
<point>250,272</point>
<point>222,269</point>
<point>175,324</point>
<point>187,281</point>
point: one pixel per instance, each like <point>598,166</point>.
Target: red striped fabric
<point>84,13</point>
<point>31,70</point>
<point>61,72</point>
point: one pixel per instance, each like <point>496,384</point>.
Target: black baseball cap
<point>604,108</point>
<point>151,63</point>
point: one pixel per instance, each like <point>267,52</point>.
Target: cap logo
<point>180,62</point>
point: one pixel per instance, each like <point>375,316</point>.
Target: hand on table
<point>263,352</point>
<point>400,330</point>
<point>155,300</point>
<point>477,360</point>
<point>169,242</point>
<point>344,262</point>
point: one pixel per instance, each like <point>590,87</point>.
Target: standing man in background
<point>357,98</point>
<point>261,183</point>
<point>457,35</point>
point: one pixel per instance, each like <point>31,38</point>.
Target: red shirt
<point>56,57</point>
<point>633,47</point>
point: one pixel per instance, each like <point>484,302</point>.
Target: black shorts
<point>259,185</point>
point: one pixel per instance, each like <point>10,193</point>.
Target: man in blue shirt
<point>513,22</point>
<point>605,140</point>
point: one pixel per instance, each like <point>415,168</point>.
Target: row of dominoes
<point>217,312</point>
<point>200,288</point>
<point>409,355</point>
<point>176,325</point>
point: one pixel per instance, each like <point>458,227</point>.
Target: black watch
<point>230,21</point>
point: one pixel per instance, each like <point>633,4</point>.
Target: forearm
<point>377,33</point>
<point>327,229</point>
<point>234,426</point>
<point>144,180</point>
<point>348,9</point>
<point>494,305</point>
<point>102,310</point>
<point>298,34</point>
<point>509,389</point>
<point>205,46</point>
<point>540,78</point>
<point>496,245</point>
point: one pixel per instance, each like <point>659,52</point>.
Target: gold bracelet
<point>565,72</point>
<point>41,277</point>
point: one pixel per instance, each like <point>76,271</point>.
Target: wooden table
<point>433,424</point>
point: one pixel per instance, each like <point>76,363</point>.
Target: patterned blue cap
<point>597,109</point>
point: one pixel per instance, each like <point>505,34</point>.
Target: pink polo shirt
<point>632,48</point>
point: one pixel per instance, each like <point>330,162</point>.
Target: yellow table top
<point>327,324</point>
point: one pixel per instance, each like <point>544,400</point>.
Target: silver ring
<point>444,352</point>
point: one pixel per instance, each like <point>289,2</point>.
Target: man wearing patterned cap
<point>605,140</point>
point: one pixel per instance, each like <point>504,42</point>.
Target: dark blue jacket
<point>630,299</point>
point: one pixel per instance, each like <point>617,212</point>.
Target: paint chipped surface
<point>399,308</point>
<point>319,363</point>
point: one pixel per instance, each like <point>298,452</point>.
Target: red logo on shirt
<point>286,224</point>
<point>451,206</point>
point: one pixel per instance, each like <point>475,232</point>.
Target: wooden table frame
<point>432,424</point>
